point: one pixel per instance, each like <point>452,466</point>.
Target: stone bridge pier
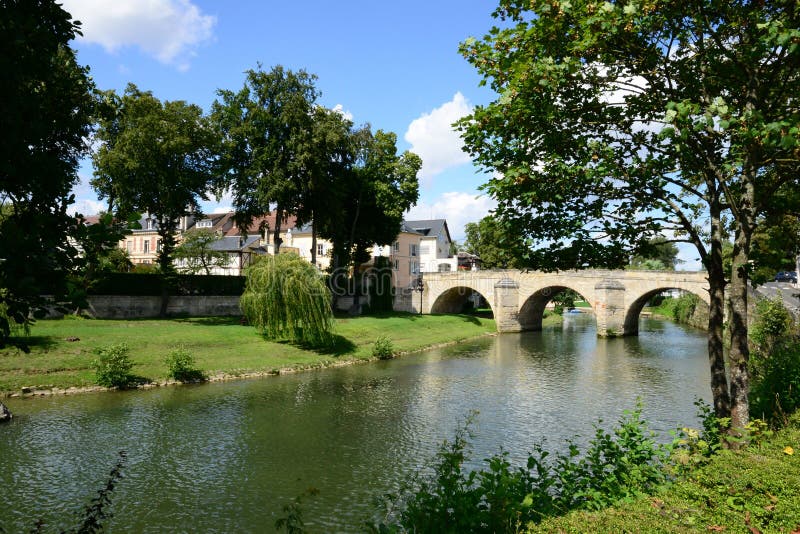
<point>518,299</point>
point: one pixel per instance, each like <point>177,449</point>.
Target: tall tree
<point>369,200</point>
<point>327,157</point>
<point>658,255</point>
<point>46,104</point>
<point>155,157</point>
<point>264,154</point>
<point>618,121</point>
<point>496,247</point>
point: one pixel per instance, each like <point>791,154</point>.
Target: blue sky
<point>394,65</point>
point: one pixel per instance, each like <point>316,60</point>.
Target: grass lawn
<point>756,490</point>
<point>219,345</point>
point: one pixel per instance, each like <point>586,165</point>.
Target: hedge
<point>139,285</point>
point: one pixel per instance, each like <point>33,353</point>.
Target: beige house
<point>144,243</point>
<point>300,239</point>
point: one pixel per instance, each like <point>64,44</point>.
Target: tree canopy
<point>497,248</point>
<point>266,151</point>
<point>369,199</point>
<point>155,157</point>
<point>46,104</point>
<point>616,122</point>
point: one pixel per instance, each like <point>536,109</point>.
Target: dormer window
<point>149,224</point>
<point>205,223</point>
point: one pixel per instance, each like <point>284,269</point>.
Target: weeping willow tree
<point>286,298</point>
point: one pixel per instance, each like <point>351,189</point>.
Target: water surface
<point>227,456</point>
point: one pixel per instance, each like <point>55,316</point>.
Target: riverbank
<point>753,490</point>
<point>62,350</point>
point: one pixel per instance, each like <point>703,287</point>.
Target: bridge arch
<point>531,312</point>
<point>631,325</point>
<point>456,300</point>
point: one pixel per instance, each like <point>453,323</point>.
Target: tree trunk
<point>739,352</point>
<point>313,241</point>
<point>277,232</point>
<point>716,314</point>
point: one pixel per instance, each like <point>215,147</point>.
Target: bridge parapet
<point>518,298</point>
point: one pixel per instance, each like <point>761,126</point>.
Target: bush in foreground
<point>181,366</point>
<point>113,366</point>
<point>617,466</point>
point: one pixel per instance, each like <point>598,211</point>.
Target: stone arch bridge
<point>518,298</point>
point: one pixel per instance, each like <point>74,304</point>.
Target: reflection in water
<point>227,456</point>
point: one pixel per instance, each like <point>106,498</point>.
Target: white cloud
<point>86,206</point>
<point>169,30</point>
<point>343,112</point>
<point>433,138</point>
<point>457,207</point>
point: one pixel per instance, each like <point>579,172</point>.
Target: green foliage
<point>775,362</point>
<point>684,307</point>
<point>181,366</point>
<point>565,299</point>
<point>383,348</point>
<point>292,522</point>
<point>285,298</point>
<point>113,366</point>
<point>773,322</point>
<point>497,246</point>
<point>154,157</point>
<point>501,498</point>
<point>96,513</point>
<point>756,489</point>
<point>45,115</point>
<point>196,254</point>
<point>692,448</point>
<point>617,122</point>
<point>266,156</point>
<point>680,309</point>
<point>656,255</point>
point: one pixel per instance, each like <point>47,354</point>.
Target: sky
<point>394,65</point>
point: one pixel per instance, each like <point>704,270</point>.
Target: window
<point>320,249</point>
<point>129,246</point>
<point>413,267</point>
<point>396,246</point>
<point>205,223</point>
<point>149,224</point>
<point>396,265</point>
<point>412,250</point>
<point>158,246</point>
<point>146,245</point>
<point>444,267</point>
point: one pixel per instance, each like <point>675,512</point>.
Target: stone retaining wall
<point>125,307</point>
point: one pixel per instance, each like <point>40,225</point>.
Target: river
<point>226,457</point>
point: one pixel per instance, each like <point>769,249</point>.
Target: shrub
<point>383,348</point>
<point>113,366</point>
<point>500,498</point>
<point>774,362</point>
<point>684,307</point>
<point>181,365</point>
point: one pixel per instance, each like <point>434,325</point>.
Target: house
<point>143,244</point>
<point>435,246</point>
<point>300,238</point>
